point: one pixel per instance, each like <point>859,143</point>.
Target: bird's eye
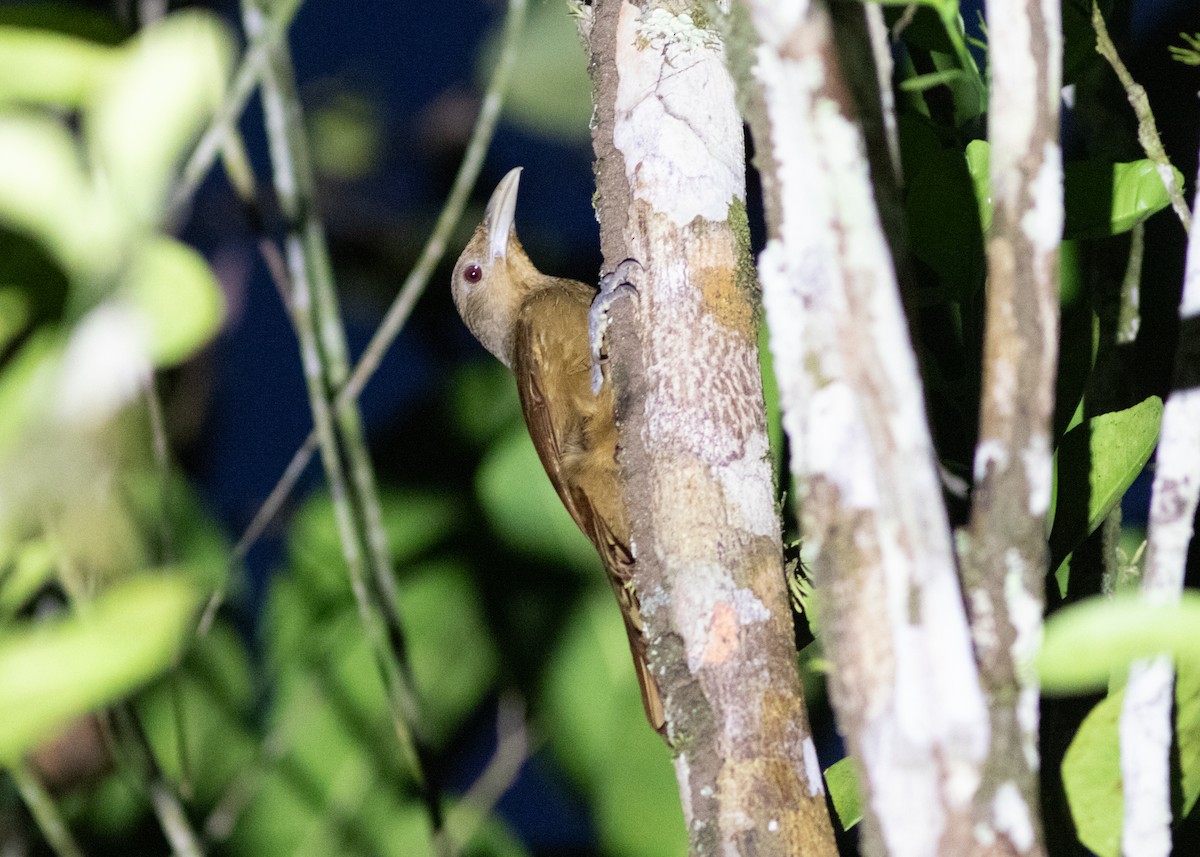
<point>473,273</point>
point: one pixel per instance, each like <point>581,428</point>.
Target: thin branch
<point>128,745</point>
<point>44,810</point>
<point>1129,312</point>
<point>1147,129</point>
<point>173,820</point>
<point>137,762</point>
<point>343,447</point>
<point>245,81</point>
<point>1146,714</point>
<point>160,450</point>
<point>1005,555</point>
<point>513,749</point>
<point>412,289</point>
<point>160,446</point>
<point>877,537</point>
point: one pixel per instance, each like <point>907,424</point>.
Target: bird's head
<point>493,275</point>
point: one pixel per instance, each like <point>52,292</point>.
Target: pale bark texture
<point>903,680</point>
<point>694,450</point>
<point>1149,696</point>
<point>1005,558</point>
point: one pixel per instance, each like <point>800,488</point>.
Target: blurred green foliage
<point>60,669</point>
<point>550,51</point>
<point>1091,769</point>
<point>96,297</point>
<point>602,737</point>
<point>1090,643</point>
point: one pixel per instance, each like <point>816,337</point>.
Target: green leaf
<point>1100,198</point>
<point>346,136</point>
<point>601,736</point>
<point>1096,462</point>
<point>63,668</point>
<point>979,165</point>
<point>291,815</point>
<point>524,508</point>
<point>1103,198</point>
<point>44,67</point>
<point>208,703</point>
<point>1087,643</point>
<point>937,32</point>
<point>1091,768</point>
<point>66,18</point>
<point>922,82</point>
<point>766,366</point>
<point>338,787</point>
<point>484,400</point>
<point>1079,39</point>
<point>15,312</point>
<point>942,7</point>
<point>175,291</point>
<point>171,80</point>
<point>943,221</point>
<point>414,521</point>
<point>842,782</point>
<point>451,651</point>
<point>33,565</point>
<point>46,194</point>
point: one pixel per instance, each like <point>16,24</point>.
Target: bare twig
<point>45,812</point>
<point>324,355</point>
<point>245,81</point>
<point>136,760</point>
<point>1146,714</point>
<point>1147,129</point>
<point>1129,312</point>
<point>903,682</point>
<point>1005,549</point>
<point>160,446</point>
<point>414,283</point>
<point>513,749</point>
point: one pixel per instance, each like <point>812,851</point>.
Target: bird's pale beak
<point>501,211</point>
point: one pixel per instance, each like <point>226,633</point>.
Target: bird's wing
<point>531,387</point>
<point>552,359</point>
<point>549,426</point>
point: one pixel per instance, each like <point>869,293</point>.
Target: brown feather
<point>575,435</point>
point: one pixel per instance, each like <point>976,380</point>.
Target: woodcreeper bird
<point>548,331</point>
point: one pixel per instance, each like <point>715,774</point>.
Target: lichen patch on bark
<point>681,142</point>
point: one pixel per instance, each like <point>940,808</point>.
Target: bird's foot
<point>624,276</point>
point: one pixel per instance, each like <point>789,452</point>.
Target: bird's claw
<point>624,276</point>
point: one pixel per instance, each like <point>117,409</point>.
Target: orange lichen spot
<point>722,634</point>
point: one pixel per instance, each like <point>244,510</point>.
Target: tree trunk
<point>904,683</point>
<point>694,450</point>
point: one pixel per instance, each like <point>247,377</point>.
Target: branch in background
<point>168,556</point>
<point>903,682</point>
<point>513,750</point>
<point>324,356</point>
<point>410,292</point>
<point>245,81</point>
<point>1149,698</point>
<point>1005,552</point>
<point>135,758</point>
<point>44,810</point>
<point>695,461</point>
<point>1147,129</point>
